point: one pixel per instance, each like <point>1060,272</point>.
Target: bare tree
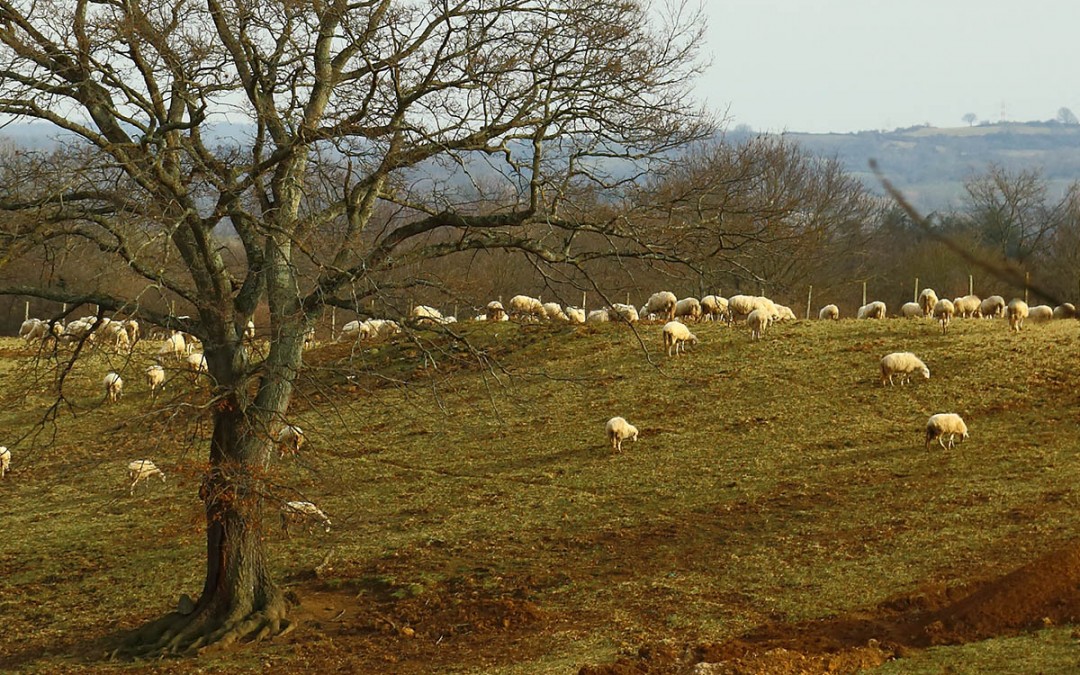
<point>969,118</point>
<point>1066,116</point>
<point>1010,211</point>
<point>341,112</point>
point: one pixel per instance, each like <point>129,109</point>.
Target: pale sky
<point>852,65</point>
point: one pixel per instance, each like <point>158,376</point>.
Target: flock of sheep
<point>758,312</point>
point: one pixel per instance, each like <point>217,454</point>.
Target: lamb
<point>155,379</point>
<point>758,320</point>
<point>494,311</point>
<point>927,300</point>
<point>911,310</point>
<point>945,423</point>
<point>114,386</point>
<point>943,312</point>
<point>662,304</point>
<point>618,430</point>
<point>992,307</point>
<point>1065,311</point>
<point>1040,313</point>
<point>714,307</point>
<point>829,312</point>
<point>688,308</point>
<point>140,470</point>
<point>523,307</point>
<point>902,364</point>
<point>1016,312</point>
<point>290,439</point>
<point>676,335</point>
<point>303,512</point>
<point>967,306</point>
<point>5,461</point>
<point>873,310</point>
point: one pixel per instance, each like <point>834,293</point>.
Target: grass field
<point>481,524</point>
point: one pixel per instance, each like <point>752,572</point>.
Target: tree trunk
<point>239,599</point>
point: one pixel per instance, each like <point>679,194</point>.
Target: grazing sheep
<point>902,364</point>
<point>927,300</point>
<point>575,315</point>
<point>1016,312</point>
<point>425,314</point>
<point>911,310</point>
<point>714,308</point>
<point>968,306</point>
<point>523,307</point>
<point>598,316</point>
<point>783,313</point>
<point>290,439</point>
<point>623,312</point>
<point>140,470</point>
<point>758,320</point>
<point>5,461</point>
<point>1040,313</point>
<point>378,329</point>
<point>945,423</point>
<point>829,312</point>
<point>872,310</point>
<point>662,304</point>
<point>173,345</point>
<point>618,430</point>
<point>303,512</point>
<point>1065,311</point>
<point>992,307</point>
<point>943,312</point>
<point>155,379</point>
<point>554,312</point>
<point>494,311</point>
<point>131,327</point>
<point>114,386</point>
<point>33,329</point>
<point>196,363</point>
<point>740,306</point>
<point>676,335</point>
<point>688,308</point>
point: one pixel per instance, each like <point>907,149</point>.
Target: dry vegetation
<point>481,523</point>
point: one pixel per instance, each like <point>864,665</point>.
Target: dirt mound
<point>1043,592</point>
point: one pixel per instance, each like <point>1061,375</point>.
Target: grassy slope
<point>772,480</point>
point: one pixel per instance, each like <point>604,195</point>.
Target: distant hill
<point>930,164</point>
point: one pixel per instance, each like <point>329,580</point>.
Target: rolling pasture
<point>779,512</point>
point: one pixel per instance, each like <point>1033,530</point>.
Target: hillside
<point>930,164</point>
<point>778,496</point>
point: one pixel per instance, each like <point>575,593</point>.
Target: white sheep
<point>174,345</point>
<point>911,310</point>
<point>618,430</point>
<point>943,312</point>
<point>967,306</point>
<point>662,304</point>
<point>554,312</point>
<point>927,299</point>
<point>134,332</point>
<point>525,308</point>
<point>155,379</point>
<point>249,330</point>
<point>1065,311</point>
<point>290,439</point>
<point>598,316</point>
<point>783,313</point>
<point>758,320</point>
<point>715,308</point>
<point>942,424</point>
<point>494,311</point>
<point>623,312</point>
<point>688,308</point>
<point>380,329</point>
<point>575,315</point>
<point>676,335</point>
<point>33,329</point>
<point>902,364</point>
<point>196,364</point>
<point>5,461</point>
<point>425,314</point>
<point>740,306</point>
<point>872,310</point>
<point>114,386</point>
<point>992,307</point>
<point>830,313</point>
<point>1040,313</point>
<point>140,470</point>
<point>309,338</point>
<point>1016,312</point>
<point>303,512</point>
